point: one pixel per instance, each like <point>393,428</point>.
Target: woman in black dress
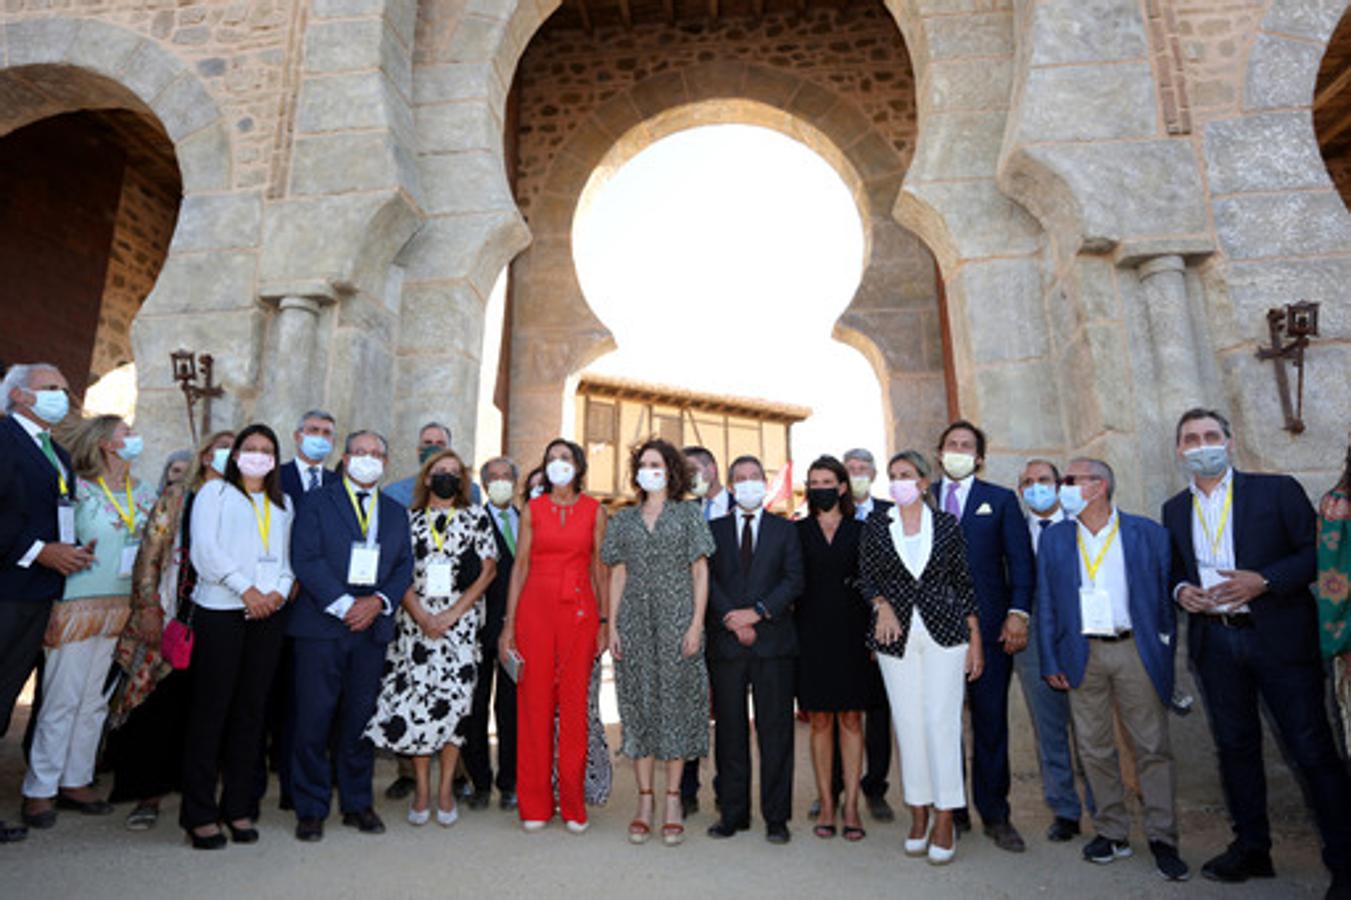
<point>836,678</point>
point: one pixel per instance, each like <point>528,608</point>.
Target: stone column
<point>290,385</point>
<point>1173,340</point>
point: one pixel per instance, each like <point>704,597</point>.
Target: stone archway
<point>57,65</point>
<point>893,318</point>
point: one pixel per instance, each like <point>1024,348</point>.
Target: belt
<point>1233,620</point>
<point>1111,638</point>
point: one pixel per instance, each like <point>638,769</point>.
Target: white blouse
<point>227,546</point>
<point>913,549</point>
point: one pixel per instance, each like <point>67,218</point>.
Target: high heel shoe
<point>941,856</point>
<point>640,831</point>
<point>917,847</point>
<point>206,842</point>
<point>448,818</point>
<point>419,817</point>
<point>673,833</point>
<point>247,835</point>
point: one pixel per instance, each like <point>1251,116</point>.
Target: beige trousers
<point>1115,675</point>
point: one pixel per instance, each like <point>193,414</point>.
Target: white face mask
<point>560,472</point>
<point>256,465</point>
<point>537,491</point>
<point>749,494</point>
<point>365,469</point>
<point>699,486</point>
<point>860,486</point>
<point>652,480</point>
<point>500,492</point>
<point>958,465</point>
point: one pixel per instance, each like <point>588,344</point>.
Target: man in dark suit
<point>499,477</point>
<point>304,474</point>
<point>1106,632</point>
<point>752,643</point>
<point>351,553</point>
<point>37,528</point>
<point>1243,558</point>
<point>999,554</point>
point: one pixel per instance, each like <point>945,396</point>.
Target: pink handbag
<point>176,644</point>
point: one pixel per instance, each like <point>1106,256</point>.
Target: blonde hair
<point>197,474</point>
<point>82,438</point>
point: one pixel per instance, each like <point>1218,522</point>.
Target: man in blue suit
<point>314,442</point>
<point>1243,557</point>
<point>1106,631</point>
<point>999,554</point>
<point>352,556</point>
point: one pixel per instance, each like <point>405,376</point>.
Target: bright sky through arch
<point>720,258</point>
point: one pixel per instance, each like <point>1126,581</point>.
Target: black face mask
<point>823,499</point>
<point>445,485</point>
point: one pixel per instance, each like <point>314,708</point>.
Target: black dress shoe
<point>11,834</point>
<point>722,829</point>
<point>1062,830</point>
<point>1005,837</point>
<point>310,830</point>
<point>243,835</point>
<point>507,800</point>
<point>778,833</point>
<point>84,807</point>
<point>39,820</point>
<point>480,800</point>
<point>206,842</point>
<point>961,820</point>
<point>1236,864</point>
<point>400,788</point>
<point>880,809</point>
<point>366,821</point>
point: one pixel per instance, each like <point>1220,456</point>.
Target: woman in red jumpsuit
<point>556,623</point>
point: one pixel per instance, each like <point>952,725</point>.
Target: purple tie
<point>951,505</point>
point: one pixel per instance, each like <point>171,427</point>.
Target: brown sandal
<point>673,833</point>
<point>640,831</point>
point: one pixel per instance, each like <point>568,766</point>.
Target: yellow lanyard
<point>263,520</point>
<point>1213,540</point>
<point>128,515</point>
<point>363,519</point>
<point>437,537</point>
<point>1096,564</point>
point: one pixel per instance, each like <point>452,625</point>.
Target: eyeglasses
<point>1076,479</point>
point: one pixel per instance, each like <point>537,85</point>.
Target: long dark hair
<point>828,463</point>
<point>578,461</point>
<point>272,480</point>
<point>677,476</point>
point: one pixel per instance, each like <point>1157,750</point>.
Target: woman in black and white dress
<point>432,664</point>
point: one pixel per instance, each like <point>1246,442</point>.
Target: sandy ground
<point>486,853</point>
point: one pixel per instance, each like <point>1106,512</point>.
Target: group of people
<point>254,610</point>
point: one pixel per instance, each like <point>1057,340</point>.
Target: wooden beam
<point>626,14</point>
<point>713,9</point>
<point>585,16</point>
<point>1332,89</point>
<point>1327,136</point>
<point>801,6</point>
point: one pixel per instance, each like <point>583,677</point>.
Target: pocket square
<point>984,510</point>
<point>1166,639</point>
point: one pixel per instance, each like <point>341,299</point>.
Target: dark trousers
<point>146,751</point>
<point>771,680</point>
<point>233,660</point>
<point>278,726</point>
<point>336,683</point>
<point>988,698</point>
<point>22,624</point>
<point>1236,668</point>
<point>877,754</point>
<point>477,760</point>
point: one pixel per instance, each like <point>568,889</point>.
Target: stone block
<point>402,17</point>
<point>951,37</point>
<point>772,86</point>
<point>715,80</point>
<point>344,46</point>
<point>966,219</point>
<point>346,9</point>
<point>218,222</point>
<point>1281,73</point>
<point>956,85</point>
<point>1112,379</point>
<point>204,160</point>
<point>185,106</point>
<point>1005,316</point>
<point>35,41</point>
<point>1019,405</point>
<point>1257,411</point>
<point>1095,283</point>
<point>1304,224</point>
<point>150,70</point>
<point>959,145</point>
<point>1268,152</point>
<point>464,183</point>
<point>343,102</point>
<point>1254,288</point>
<point>453,81</point>
<point>367,314</point>
<point>474,246</point>
<point>1082,31</point>
<point>441,318</point>
<point>203,282</point>
<point>1312,19</point>
<point>332,164</point>
<point>1085,103</point>
<point>104,48</point>
<point>476,39</point>
<point>658,93</point>
<point>454,127</point>
<point>231,337</point>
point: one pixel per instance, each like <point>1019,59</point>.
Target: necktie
<point>45,439</point>
<point>708,510</point>
<point>314,479</point>
<point>951,504</point>
<point>1041,529</point>
<point>747,544</point>
<point>362,497</point>
<point>506,530</point>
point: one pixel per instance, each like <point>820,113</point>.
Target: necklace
<point>561,510</point>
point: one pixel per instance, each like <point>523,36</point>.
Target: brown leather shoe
<point>1005,837</point>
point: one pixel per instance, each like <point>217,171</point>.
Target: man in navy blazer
<point>755,578</point>
<point>999,555</point>
<point>314,442</point>
<point>1106,632</point>
<point>1243,558</point>
<point>341,622</point>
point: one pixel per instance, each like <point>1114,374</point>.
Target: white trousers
<point>70,720</point>
<point>926,688</point>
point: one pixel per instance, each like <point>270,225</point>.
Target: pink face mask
<point>256,465</point>
<point>905,491</point>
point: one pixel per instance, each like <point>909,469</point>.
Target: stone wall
<point>146,214</point>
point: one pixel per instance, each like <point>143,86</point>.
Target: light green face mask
<point>428,452</point>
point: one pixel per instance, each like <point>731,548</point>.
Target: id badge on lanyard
<point>439,583</point>
<point>1095,611</point>
<point>65,521</point>
<point>266,574</point>
<point>364,565</point>
<point>127,560</point>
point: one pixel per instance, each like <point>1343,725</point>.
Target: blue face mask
<point>1206,462</point>
<point>1039,497</point>
<point>132,445</point>
<point>316,446</point>
<point>51,406</point>
<point>1072,499</point>
<point>219,458</point>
